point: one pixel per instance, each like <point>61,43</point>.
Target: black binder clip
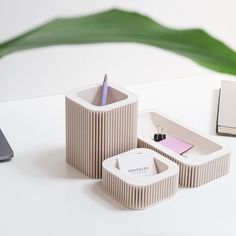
<point>159,135</point>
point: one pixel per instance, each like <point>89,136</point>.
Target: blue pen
<point>104,91</point>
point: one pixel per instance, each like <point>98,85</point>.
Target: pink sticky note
<point>176,145</point>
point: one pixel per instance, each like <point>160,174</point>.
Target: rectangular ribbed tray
<point>206,161</point>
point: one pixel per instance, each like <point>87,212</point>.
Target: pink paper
<point>176,145</point>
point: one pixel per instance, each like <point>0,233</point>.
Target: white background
<point>55,70</point>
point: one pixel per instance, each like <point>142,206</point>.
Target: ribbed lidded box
<point>95,132</point>
<point>143,191</point>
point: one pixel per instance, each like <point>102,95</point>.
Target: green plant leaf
<point>122,26</point>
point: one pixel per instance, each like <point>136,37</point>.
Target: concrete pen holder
<point>95,132</point>
<point>140,192</point>
<point>205,161</point>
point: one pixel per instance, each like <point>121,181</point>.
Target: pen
<point>104,91</point>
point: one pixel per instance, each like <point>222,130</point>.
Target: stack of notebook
<point>226,121</point>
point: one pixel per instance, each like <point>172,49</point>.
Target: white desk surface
<point>42,195</point>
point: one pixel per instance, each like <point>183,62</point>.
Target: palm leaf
<point>122,26</point>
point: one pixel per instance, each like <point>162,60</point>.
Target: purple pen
<point>104,91</point>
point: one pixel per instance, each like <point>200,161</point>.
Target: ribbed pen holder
<point>94,132</point>
<point>140,192</point>
<point>206,161</point>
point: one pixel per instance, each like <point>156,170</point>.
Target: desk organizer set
<point>101,136</point>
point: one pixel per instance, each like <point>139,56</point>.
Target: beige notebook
<point>226,122</point>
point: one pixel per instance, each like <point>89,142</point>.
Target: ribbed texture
<point>136,197</point>
<point>93,136</point>
<point>194,176</point>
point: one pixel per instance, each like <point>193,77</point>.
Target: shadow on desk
<point>214,110</point>
<point>48,164</point>
<point>95,191</point>
<point>51,163</point>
